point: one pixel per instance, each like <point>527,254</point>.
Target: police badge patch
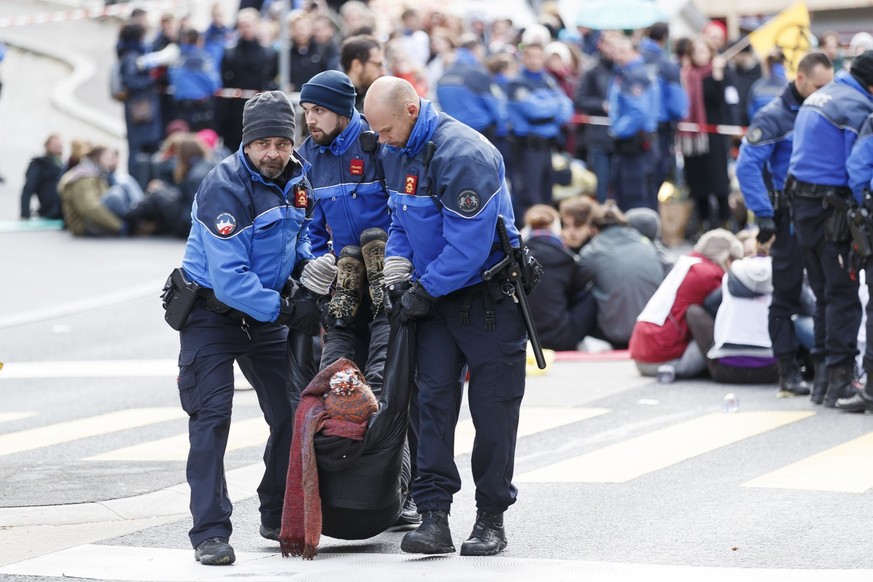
<point>468,201</point>
<point>225,224</point>
<point>755,134</point>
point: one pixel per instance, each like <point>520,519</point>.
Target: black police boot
<point>840,383</point>
<point>820,382</point>
<point>431,537</point>
<point>488,536</point>
<point>408,513</point>
<point>861,401</point>
<point>214,552</point>
<point>349,281</point>
<point>373,248</point>
<point>791,382</point>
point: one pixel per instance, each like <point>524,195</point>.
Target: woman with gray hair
<point>661,335</point>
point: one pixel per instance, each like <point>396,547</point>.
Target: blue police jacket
<point>764,90</point>
<point>766,149</point>
<point>859,166</point>
<point>348,188</point>
<point>673,99</point>
<point>444,214</point>
<point>826,128</point>
<point>537,106</point>
<point>247,234</point>
<point>468,93</point>
<point>194,75</point>
<point>633,101</point>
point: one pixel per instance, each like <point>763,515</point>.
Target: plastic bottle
<point>730,403</point>
<point>666,374</point>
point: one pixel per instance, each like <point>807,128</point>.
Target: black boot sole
<point>474,551</point>
<point>414,547</point>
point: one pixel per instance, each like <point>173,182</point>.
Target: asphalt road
<point>619,478</point>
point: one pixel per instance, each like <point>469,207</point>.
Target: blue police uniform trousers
<point>666,164</point>
<point>533,177</point>
<point>827,267</point>
<point>787,286</point>
<point>210,342</point>
<point>496,361</point>
<point>633,178</point>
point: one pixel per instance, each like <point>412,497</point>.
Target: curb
<point>63,97</point>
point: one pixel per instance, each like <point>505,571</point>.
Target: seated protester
<point>42,178</point>
<point>347,454</point>
<point>737,341</point>
<point>648,223</point>
<point>168,205</point>
<point>94,200</point>
<point>576,215</point>
<point>661,334</point>
<point>623,266</point>
<point>556,307</point>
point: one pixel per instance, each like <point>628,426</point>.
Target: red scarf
<point>301,514</point>
<point>694,143</point>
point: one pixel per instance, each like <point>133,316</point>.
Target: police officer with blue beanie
<point>761,170</point>
<point>248,234</point>
<point>350,216</point>
<point>825,130</point>
<point>448,192</point>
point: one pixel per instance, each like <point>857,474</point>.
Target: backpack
<point>116,83</point>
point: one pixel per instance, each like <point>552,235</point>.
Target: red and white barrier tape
<point>732,130</point>
<point>83,13</point>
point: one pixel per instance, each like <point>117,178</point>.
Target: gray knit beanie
<point>268,114</point>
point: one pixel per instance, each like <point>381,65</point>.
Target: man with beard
<point>248,235</point>
<point>350,216</point>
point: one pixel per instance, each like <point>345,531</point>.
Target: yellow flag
<point>787,31</point>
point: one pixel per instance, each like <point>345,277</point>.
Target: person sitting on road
<point>42,178</point>
<point>661,335</point>
<point>95,202</point>
<point>556,303</point>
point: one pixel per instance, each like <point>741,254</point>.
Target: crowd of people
<point>425,152</point>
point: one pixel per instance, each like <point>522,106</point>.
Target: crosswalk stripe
<point>244,433</point>
<point>662,448</point>
<point>844,468</point>
<point>533,419</point>
<point>62,432</point>
<point>12,416</point>
<point>158,368</point>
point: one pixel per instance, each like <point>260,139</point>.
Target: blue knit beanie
<point>332,90</point>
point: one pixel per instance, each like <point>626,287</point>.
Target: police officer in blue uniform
<point>859,166</point>
<point>468,93</point>
<point>761,170</point>
<point>350,215</point>
<point>825,130</point>
<point>447,190</point>
<point>672,102</point>
<point>633,115</point>
<point>537,110</point>
<point>248,234</point>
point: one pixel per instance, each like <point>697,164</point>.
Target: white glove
<point>318,275</point>
<point>396,270</point>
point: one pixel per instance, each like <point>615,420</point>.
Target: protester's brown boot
<point>373,248</point>
<point>349,283</point>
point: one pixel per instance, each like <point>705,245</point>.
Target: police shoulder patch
<point>468,201</point>
<point>225,224</point>
<point>755,135</point>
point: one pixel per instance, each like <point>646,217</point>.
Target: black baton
<point>514,271</point>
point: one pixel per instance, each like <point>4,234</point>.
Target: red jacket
<point>651,343</point>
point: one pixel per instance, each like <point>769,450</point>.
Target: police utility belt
<point>636,144</point>
<point>180,295</point>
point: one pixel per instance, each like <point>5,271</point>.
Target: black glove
<point>766,229</point>
<point>301,312</point>
<point>414,303</point>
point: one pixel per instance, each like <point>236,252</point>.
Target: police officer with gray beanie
<point>248,235</point>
